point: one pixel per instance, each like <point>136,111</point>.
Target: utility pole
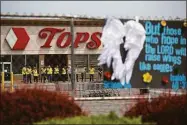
<point>72,57</point>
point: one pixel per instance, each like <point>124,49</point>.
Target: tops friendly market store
<point>41,41</point>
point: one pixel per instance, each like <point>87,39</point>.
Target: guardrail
<point>3,82</point>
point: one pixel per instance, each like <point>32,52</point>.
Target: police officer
<point>91,72</point>
<point>56,73</point>
<point>69,73</point>
<point>49,73</point>
<point>35,74</point>
<point>43,74</point>
<point>83,73</point>
<point>63,74</point>
<point>24,74</point>
<point>76,73</point>
<point>29,74</point>
<point>99,73</point>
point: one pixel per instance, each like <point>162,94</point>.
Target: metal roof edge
<point>69,16</point>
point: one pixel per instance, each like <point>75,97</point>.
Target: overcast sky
<point>98,8</point>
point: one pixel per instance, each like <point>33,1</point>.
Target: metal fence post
<point>149,96</point>
<point>72,57</point>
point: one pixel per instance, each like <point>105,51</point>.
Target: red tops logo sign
<point>18,38</point>
<point>81,37</point>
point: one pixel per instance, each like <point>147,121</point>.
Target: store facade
<point>36,43</point>
<point>39,42</point>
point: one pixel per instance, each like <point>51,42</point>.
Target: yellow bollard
<point>2,81</point>
<point>12,82</point>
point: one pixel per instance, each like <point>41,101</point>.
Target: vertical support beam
<point>88,66</point>
<point>11,76</point>
<point>25,60</point>
<point>12,82</point>
<point>72,57</point>
<point>11,63</point>
<point>2,81</point>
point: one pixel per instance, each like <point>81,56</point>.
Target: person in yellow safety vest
<point>76,73</point>
<point>35,74</point>
<point>56,73</point>
<point>28,73</point>
<point>83,73</point>
<point>24,74</point>
<point>91,72</point>
<point>69,73</point>
<point>49,73</point>
<point>43,74</point>
<point>63,74</point>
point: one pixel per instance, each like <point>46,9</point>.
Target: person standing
<point>91,72</point>
<point>76,73</point>
<point>35,74</point>
<point>100,73</point>
<point>83,71</point>
<point>43,74</point>
<point>63,74</point>
<point>56,73</point>
<point>24,74</point>
<point>49,73</point>
<point>69,73</point>
<point>29,74</point>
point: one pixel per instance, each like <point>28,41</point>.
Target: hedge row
<point>32,105</point>
<point>164,110</point>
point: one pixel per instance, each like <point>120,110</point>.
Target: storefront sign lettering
<point>64,39</point>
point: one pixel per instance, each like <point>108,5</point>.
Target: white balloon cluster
<point>112,36</point>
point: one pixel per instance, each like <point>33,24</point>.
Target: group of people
<point>49,74</point>
<point>27,73</point>
<point>53,74</point>
<point>82,72</point>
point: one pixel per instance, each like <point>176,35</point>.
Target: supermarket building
<point>42,41</point>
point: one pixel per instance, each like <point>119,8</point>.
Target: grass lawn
<point>111,118</point>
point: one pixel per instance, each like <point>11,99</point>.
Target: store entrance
<point>5,67</point>
<point>54,60</point>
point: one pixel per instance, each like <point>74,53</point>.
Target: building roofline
<point>52,17</point>
<point>80,17</point>
<point>56,20</point>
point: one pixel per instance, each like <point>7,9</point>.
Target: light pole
<point>72,57</point>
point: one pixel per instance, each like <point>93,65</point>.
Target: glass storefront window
<point>93,60</point>
<point>18,61</point>
<point>5,58</point>
<point>81,60</point>
<point>56,59</point>
<point>32,60</point>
